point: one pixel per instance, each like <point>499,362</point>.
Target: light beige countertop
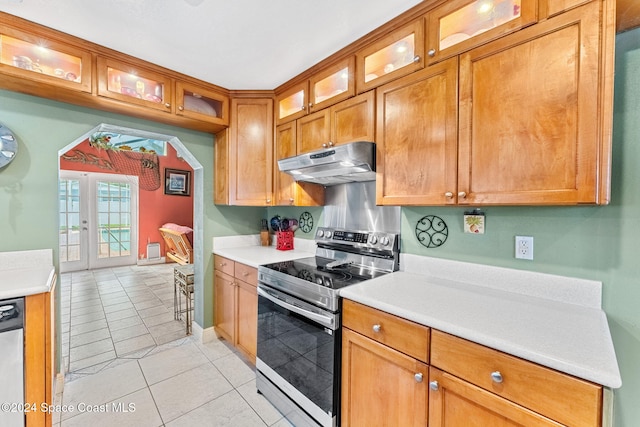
<point>247,250</point>
<point>25,273</point>
<point>551,320</point>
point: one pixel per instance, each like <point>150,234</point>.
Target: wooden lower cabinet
<point>39,355</point>
<point>468,385</point>
<point>381,386</point>
<point>236,305</point>
<point>454,402</point>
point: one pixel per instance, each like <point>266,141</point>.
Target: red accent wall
<point>154,207</point>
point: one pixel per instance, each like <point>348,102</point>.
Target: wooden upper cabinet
<point>45,60</point>
<point>354,119</point>
<point>535,114</point>
<point>326,87</point>
<point>251,152</point>
<point>459,25</point>
<point>627,15</point>
<point>292,103</point>
<point>314,131</point>
<point>285,146</point>
<point>287,191</point>
<point>201,103</point>
<point>349,121</point>
<point>394,55</point>
<point>331,85</point>
<point>134,85</point>
<point>416,137</point>
<point>221,168</point>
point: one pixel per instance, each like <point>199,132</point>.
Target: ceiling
<point>236,44</point>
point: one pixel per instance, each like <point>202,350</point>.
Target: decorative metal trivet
<point>305,222</point>
<point>431,231</point>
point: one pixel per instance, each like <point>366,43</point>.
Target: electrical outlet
<point>524,247</point>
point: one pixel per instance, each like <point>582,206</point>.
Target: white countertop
<point>25,273</point>
<point>246,250</point>
<point>572,338</point>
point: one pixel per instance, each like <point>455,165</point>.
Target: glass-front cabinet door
<point>332,85</point>
<point>202,104</point>
<point>398,54</point>
<point>292,103</point>
<point>457,26</point>
<point>36,58</point>
<point>127,83</point>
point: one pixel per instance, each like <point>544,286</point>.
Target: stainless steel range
<point>299,328</point>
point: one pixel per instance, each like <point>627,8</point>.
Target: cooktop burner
<point>315,270</point>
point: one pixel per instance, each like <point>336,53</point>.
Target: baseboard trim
<point>203,335</point>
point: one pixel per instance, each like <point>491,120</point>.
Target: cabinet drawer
<point>223,264</point>
<point>566,399</point>
<point>247,274</point>
<point>401,334</point>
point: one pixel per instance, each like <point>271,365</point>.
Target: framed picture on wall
<point>177,182</point>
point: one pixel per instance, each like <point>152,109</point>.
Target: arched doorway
<point>117,234</point>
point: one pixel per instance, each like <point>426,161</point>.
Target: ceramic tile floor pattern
<point>129,363</point>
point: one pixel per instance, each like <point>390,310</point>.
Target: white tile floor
<point>129,363</point>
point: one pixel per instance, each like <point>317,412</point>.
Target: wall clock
<point>8,146</point>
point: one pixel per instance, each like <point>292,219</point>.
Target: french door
<point>98,220</point>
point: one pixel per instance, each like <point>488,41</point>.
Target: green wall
<point>29,185</point>
<point>599,243</point>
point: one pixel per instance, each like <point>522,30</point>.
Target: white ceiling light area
<point>237,44</point>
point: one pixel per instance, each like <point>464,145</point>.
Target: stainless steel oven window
<point>301,351</point>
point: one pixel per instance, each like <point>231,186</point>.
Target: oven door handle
<point>326,321</point>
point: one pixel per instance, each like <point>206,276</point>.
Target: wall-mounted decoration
<point>431,231</point>
<point>305,223</point>
<point>177,182</point>
<point>474,222</point>
<point>80,156</point>
<point>8,146</point>
<point>130,159</point>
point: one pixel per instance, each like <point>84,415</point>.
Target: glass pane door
<point>98,220</point>
<point>73,225</point>
<point>115,237</point>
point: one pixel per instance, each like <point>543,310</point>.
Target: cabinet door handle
<point>303,107</point>
<point>418,377</point>
<point>291,200</point>
<point>246,273</point>
<point>433,385</point>
<point>462,194</point>
<point>431,53</point>
<point>268,201</point>
<point>222,264</point>
<point>416,58</point>
<point>496,376</point>
<point>181,108</point>
<point>377,328</point>
<point>448,195</point>
<point>330,143</point>
<point>324,145</point>
<point>167,105</point>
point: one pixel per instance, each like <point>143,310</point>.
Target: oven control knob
<point>320,233</point>
<point>384,240</point>
<point>327,234</point>
<point>319,281</point>
<point>373,240</point>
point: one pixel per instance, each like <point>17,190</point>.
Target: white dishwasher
<point>12,364</point>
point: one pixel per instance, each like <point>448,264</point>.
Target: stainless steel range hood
<point>353,162</point>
